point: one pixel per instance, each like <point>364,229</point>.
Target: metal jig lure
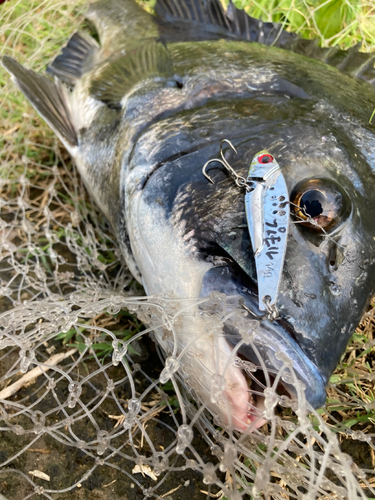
<point>267,214</point>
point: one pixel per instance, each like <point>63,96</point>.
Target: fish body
<point>149,106</point>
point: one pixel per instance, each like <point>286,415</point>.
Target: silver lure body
<point>268,213</point>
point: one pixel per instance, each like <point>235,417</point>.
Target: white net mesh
<point>88,406</point>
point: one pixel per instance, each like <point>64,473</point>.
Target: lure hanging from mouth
<point>267,214</point>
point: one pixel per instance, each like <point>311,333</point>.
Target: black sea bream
<point>143,110</point>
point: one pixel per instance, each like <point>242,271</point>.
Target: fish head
<point>328,273</point>
<point>199,244</point>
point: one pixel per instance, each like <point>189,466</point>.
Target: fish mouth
<point>266,352</point>
<point>276,360</point>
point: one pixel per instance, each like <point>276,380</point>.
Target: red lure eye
<point>265,159</point>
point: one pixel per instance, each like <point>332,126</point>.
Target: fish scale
<point>144,110</point>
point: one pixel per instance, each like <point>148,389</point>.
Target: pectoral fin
<point>115,78</point>
<point>50,99</point>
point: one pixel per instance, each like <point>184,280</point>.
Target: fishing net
<point>90,406</point>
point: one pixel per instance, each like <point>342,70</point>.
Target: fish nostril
<point>333,263</point>
<point>179,81</point>
<point>333,266</point>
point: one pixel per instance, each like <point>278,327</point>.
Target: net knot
<point>185,437</point>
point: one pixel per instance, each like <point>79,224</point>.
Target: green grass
<point>332,22</point>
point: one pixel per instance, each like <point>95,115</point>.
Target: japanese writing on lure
<point>267,213</point>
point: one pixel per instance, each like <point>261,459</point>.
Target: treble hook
<point>238,179</point>
<point>223,157</point>
<point>213,160</point>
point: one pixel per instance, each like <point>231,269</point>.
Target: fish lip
<point>306,371</point>
<point>271,338</point>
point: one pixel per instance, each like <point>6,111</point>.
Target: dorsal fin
<point>210,15</point>
<point>50,99</point>
<point>77,57</point>
<point>195,11</point>
<point>115,78</point>
<point>208,18</point>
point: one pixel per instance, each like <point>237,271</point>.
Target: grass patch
<point>332,22</point>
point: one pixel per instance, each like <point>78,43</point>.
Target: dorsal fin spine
<point>247,28</point>
<point>223,16</point>
<point>326,55</point>
<point>195,11</point>
<point>177,7</point>
<point>364,66</point>
<point>349,55</point>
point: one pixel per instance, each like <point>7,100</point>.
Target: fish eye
<point>319,204</point>
<point>266,158</point>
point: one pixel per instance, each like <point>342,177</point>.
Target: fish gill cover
<point>89,407</point>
